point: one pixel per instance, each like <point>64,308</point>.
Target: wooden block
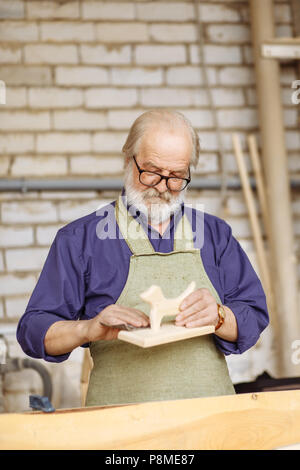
<point>162,307</point>
<point>249,421</point>
<point>168,333</point>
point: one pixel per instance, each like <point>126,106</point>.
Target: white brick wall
<point>77,74</point>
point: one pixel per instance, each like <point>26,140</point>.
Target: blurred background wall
<point>77,74</point>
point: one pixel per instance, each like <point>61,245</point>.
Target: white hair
<point>170,118</point>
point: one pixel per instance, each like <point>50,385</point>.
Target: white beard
<point>156,212</point>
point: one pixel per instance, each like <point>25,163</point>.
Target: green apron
<point>191,368</point>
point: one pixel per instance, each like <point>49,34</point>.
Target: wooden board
<point>168,333</point>
<point>267,420</point>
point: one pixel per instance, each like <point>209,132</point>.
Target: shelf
<point>282,48</point>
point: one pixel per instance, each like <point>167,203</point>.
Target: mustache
<point>152,192</point>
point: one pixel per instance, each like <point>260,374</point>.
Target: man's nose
<point>162,186</point>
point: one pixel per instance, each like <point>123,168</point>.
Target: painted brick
<point>108,141</point>
<point>1,270</point>
<point>15,97</point>
<point>39,166</point>
<point>136,76</point>
<point>241,118</point>
<point>65,142</point>
<point>15,307</point>
<point>122,119</point>
<point>50,54</point>
<point>16,236</point>
<point>51,97</point>
<point>72,210</point>
<point>24,120</point>
<point>208,141</point>
<point>294,163</point>
<point>11,284</point>
<point>217,13</point>
<point>165,11</point>
<point>164,54</point>
<point>110,97</point>
<point>25,259</point>
<point>46,234</point>
<point>291,117</point>
<point>104,55</point>
<point>16,143</point>
<point>20,75</point>
<point>228,33</point>
<point>4,164</point>
<point>10,54</point>
<point>187,75</point>
<point>208,163</point>
<point>116,32</point>
<point>200,118</point>
<point>292,139</point>
<point>67,31</point>
<point>224,97</point>
<point>108,10</point>
<point>28,212</point>
<point>237,76</point>
<point>58,195</point>
<point>19,31</point>
<point>222,54</point>
<point>166,97</point>
<point>14,9</point>
<point>52,9</point>
<point>282,13</point>
<point>79,120</point>
<point>230,165</point>
<point>81,76</point>
<point>173,33</point>
<point>240,227</point>
<point>215,54</point>
<point>90,165</point>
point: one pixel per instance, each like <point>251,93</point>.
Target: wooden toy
<point>166,332</point>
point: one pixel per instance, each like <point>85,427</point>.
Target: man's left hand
<point>198,309</point>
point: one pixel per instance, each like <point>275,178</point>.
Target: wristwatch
<point>222,314</point>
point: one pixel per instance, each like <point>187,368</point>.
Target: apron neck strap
<point>136,237</point>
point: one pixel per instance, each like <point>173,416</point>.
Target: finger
<point>133,311</point>
<point>196,307</point>
<point>193,297</point>
<point>204,321</point>
<point>191,318</point>
<point>132,318</point>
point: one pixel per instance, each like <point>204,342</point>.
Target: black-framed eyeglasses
<point>152,178</point>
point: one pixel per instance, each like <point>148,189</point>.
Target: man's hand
<point>65,335</point>
<point>198,309</point>
<point>100,327</point>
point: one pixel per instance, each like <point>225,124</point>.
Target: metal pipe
<point>25,185</point>
<point>274,157</point>
<point>17,364</point>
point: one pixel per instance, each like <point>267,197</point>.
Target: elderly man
<point>92,280</point>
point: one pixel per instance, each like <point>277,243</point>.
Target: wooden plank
<point>281,48</point>
<point>168,333</point>
<point>266,420</point>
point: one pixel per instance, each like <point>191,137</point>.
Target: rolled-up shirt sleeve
<point>58,295</point>
<point>243,294</point>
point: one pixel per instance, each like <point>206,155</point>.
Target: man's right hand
<point>100,327</point>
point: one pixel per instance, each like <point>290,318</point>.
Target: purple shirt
<point>83,274</point>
